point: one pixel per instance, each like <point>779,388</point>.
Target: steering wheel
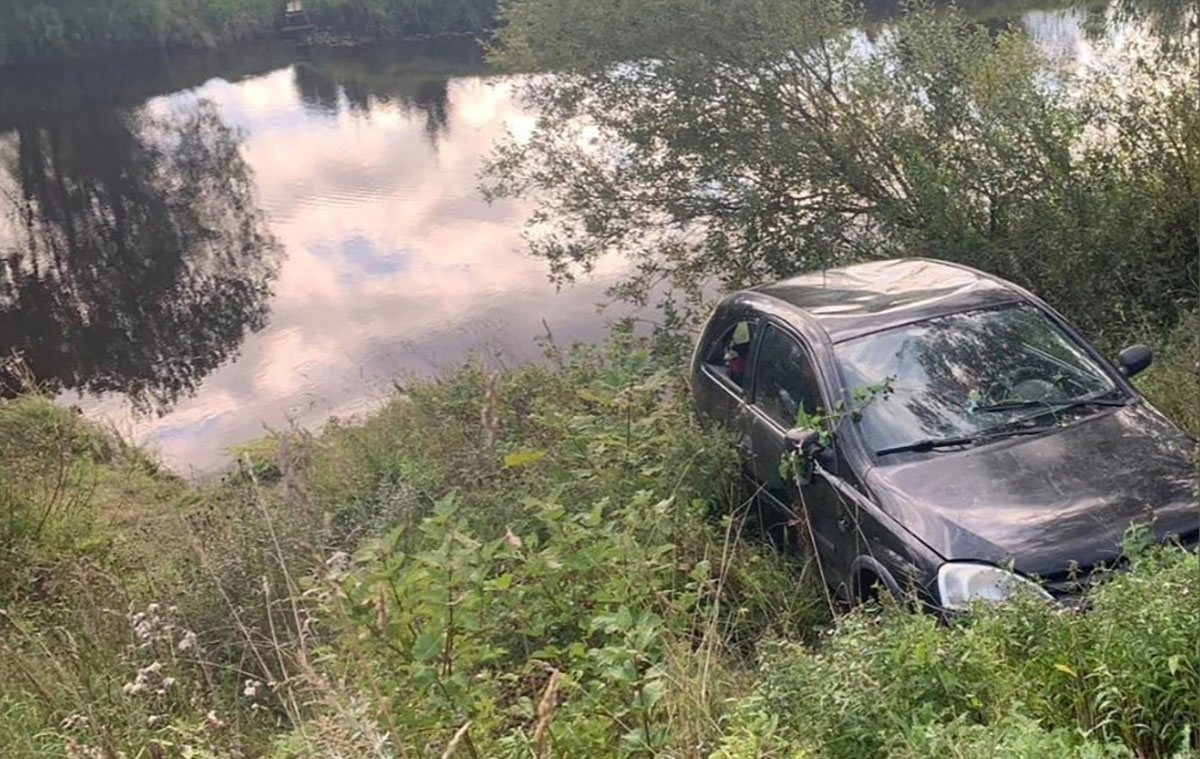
<point>1024,383</point>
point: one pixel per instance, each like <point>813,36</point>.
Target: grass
<point>548,561</point>
<point>1173,381</point>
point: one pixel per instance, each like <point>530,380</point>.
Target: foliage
<point>562,508</point>
<point>547,561</point>
<point>796,465</point>
<point>48,29</point>
<point>390,17</point>
<point>1013,680</point>
<point>52,465</point>
<point>1173,381</point>
<point>576,564</point>
<point>743,142</point>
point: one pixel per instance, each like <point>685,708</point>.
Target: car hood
<point>1044,502</point>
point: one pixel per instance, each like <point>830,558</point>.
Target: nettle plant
<point>797,464</point>
<point>453,628</point>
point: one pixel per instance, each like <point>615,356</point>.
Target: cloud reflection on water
<point>393,264</point>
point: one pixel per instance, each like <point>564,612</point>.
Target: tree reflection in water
<point>132,255</point>
<point>415,76</point>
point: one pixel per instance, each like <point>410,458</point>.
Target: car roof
<point>855,300</point>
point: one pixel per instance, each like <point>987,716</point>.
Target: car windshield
<point>969,374</point>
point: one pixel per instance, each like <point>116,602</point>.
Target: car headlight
<point>960,583</point>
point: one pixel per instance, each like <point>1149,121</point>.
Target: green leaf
<point>503,582</point>
<point>1066,669</point>
<point>653,692</point>
<point>523,458</point>
<point>591,397</point>
<point>446,507</point>
<point>426,647</point>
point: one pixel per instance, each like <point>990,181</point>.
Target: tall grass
<point>1173,382</point>
<point>547,561</point>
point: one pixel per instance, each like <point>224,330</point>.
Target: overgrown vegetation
<point>744,142</point>
<point>33,30</point>
<point>555,560</point>
<point>1173,380</point>
<point>550,561</point>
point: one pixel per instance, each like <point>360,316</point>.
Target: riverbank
<point>57,30</point>
<point>546,561</point>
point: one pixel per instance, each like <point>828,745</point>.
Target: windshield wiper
<point>930,444</point>
<point>1052,405</point>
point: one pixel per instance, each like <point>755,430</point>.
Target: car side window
<point>785,378</point>
<point>729,354</point>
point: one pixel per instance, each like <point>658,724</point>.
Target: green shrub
<point>580,551</point>
<point>50,462</point>
<point>1124,673</point>
<point>1172,383</point>
<point>41,29</point>
<point>1011,738</point>
<point>547,561</point>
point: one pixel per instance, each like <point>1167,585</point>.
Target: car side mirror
<point>1134,360</point>
<point>806,440</point>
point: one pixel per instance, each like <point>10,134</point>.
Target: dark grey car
<point>997,446</point>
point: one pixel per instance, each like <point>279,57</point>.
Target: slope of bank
<point>548,561</point>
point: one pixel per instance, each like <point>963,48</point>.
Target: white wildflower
<point>135,688</point>
<point>251,689</point>
<point>79,751</point>
<point>512,539</point>
<point>73,721</point>
<point>188,642</point>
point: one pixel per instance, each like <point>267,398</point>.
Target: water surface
<point>270,248</point>
<point>199,248</point>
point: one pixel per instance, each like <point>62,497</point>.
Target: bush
<point>33,30</point>
<point>1172,382</point>
<point>53,466</point>
<point>548,561</point>
<point>570,590</point>
<point>942,135</point>
<point>1006,679</point>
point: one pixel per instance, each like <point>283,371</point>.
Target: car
<point>941,432</point>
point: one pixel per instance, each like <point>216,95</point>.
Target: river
<point>197,249</point>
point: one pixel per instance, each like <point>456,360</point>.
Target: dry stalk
<point>545,712</point>
<point>458,736</point>
<point>489,415</point>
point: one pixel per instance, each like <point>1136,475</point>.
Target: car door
<point>723,376</point>
<point>785,379</point>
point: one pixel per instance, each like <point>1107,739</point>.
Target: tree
<point>744,141</point>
